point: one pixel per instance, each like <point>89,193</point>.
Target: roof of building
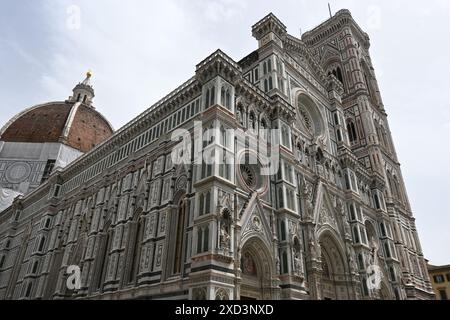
<point>71,123</point>
<point>435,268</point>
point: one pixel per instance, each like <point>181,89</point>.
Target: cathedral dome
<point>80,127</point>
<point>73,122</point>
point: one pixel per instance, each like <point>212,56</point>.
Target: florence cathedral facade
<point>329,222</point>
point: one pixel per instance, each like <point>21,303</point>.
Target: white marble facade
<point>140,226</point>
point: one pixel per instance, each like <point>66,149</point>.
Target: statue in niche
<point>341,210</point>
<point>314,247</point>
<point>307,196</point>
<point>351,257</point>
<point>224,229</point>
<point>374,252</point>
<point>224,236</point>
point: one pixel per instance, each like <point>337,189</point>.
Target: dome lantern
<point>83,91</point>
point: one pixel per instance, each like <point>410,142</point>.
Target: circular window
<point>248,175</point>
<point>251,174</point>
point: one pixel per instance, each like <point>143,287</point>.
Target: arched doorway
<point>334,284</point>
<point>256,271</point>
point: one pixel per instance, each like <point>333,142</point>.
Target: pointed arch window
<point>223,136</point>
<point>222,96</point>
<point>270,83</point>
<point>41,244</point>
<point>201,202</point>
<point>285,262</point>
<point>228,99</point>
<point>356,234</point>
<point>35,267</point>
<point>283,230</point>
<point>208,202</point>
<point>352,133</point>
<point>202,239</point>
<point>387,250</point>
<point>210,97</point>
<point>28,292</point>
<point>199,240</point>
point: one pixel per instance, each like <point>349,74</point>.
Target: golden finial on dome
<point>89,73</point>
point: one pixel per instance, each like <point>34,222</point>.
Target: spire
<point>83,91</point>
<point>87,81</point>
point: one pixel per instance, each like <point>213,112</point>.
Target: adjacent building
<point>440,279</point>
<point>333,221</point>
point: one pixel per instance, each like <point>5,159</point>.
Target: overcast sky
<point>141,50</point>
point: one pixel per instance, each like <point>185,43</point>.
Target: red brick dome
<point>76,125</point>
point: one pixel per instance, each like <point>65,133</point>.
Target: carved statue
<point>374,251</point>
<point>224,236</point>
<point>307,195</point>
<point>278,265</point>
<point>341,210</point>
<point>352,262</point>
<point>314,247</point>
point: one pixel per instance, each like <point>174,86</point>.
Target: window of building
<point>439,278</point>
<point>35,267</point>
<point>48,170</point>
<point>47,223</point>
<point>223,137</point>
<point>351,128</point>
<point>336,118</point>
<point>392,274</point>
<point>2,261</point>
<point>443,294</point>
<point>283,230</point>
<point>352,212</point>
<point>202,239</point>
<point>356,235</point>
<point>210,97</point>
<point>387,250</point>
<point>201,203</point>
<point>448,277</point>
<point>285,263</point>
<point>280,198</point>
<point>41,244</point>
<point>290,198</point>
<point>288,173</point>
<point>285,137</point>
<point>28,292</point>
